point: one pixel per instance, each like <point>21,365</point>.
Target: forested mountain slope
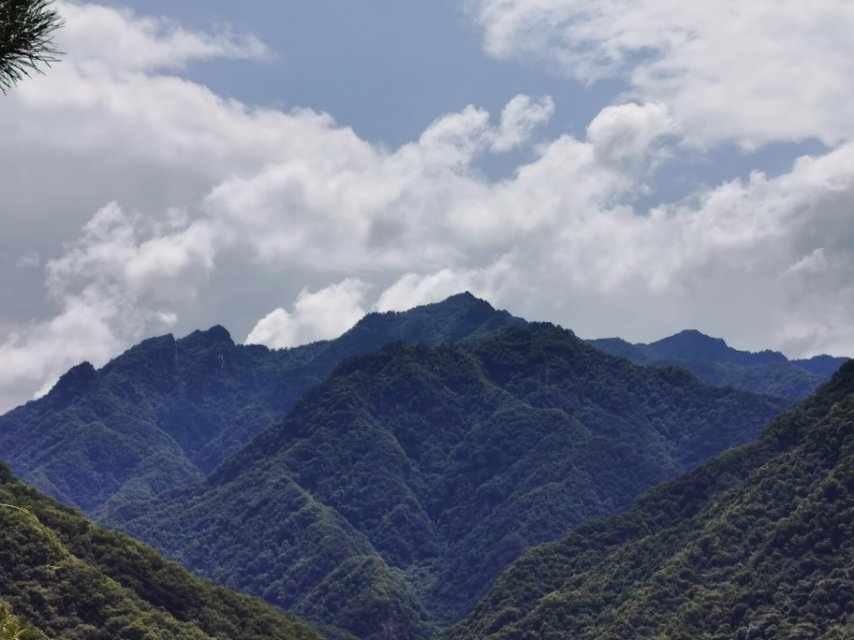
<point>393,493</point>
<point>167,412</point>
<point>715,362</point>
<point>62,577</point>
<point>756,544</point>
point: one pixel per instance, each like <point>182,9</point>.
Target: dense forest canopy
<point>407,480</point>
<point>756,544</point>
<point>379,482</point>
<point>62,576</point>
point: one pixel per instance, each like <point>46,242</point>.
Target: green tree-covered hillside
<point>757,544</point>
<point>393,493</point>
<point>62,577</point>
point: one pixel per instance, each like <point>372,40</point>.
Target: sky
<point>628,168</point>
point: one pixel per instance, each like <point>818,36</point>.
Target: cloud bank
<point>754,72</point>
<point>198,196</point>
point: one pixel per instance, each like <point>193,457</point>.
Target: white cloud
<point>764,261</point>
<point>519,119</point>
<point>318,315</point>
<point>129,253</point>
<point>110,287</point>
<point>630,134</point>
<point>110,39</point>
<point>753,72</point>
<point>82,331</point>
<point>413,289</point>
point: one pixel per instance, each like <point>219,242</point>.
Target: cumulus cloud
<point>753,72</point>
<point>130,254</point>
<point>414,289</point>
<point>98,36</point>
<point>630,134</point>
<point>82,331</point>
<point>318,315</point>
<point>112,286</point>
<point>520,119</point>
<point>205,186</point>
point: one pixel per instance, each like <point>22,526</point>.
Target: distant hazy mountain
<point>392,494</point>
<point>757,544</point>
<point>65,578</point>
<point>713,361</point>
<point>168,411</point>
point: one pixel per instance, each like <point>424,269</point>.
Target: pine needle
<point>26,46</point>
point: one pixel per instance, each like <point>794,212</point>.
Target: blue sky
<point>622,168</point>
<point>387,69</point>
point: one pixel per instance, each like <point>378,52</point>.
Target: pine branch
<point>26,46</point>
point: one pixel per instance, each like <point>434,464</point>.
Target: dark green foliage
<point>69,579</point>
<point>167,412</point>
<point>757,544</point>
<point>26,27</point>
<point>392,494</point>
<point>714,362</point>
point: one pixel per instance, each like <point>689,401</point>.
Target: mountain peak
<point>459,301</point>
<point>465,296</point>
<point>695,335</point>
<point>822,365</point>
<point>460,307</point>
<point>74,381</point>
<point>692,345</point>
<point>217,334</point>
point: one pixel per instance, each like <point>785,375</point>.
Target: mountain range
<point>715,362</point>
<point>376,484</point>
<point>755,544</point>
<point>167,412</point>
<point>394,492</point>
